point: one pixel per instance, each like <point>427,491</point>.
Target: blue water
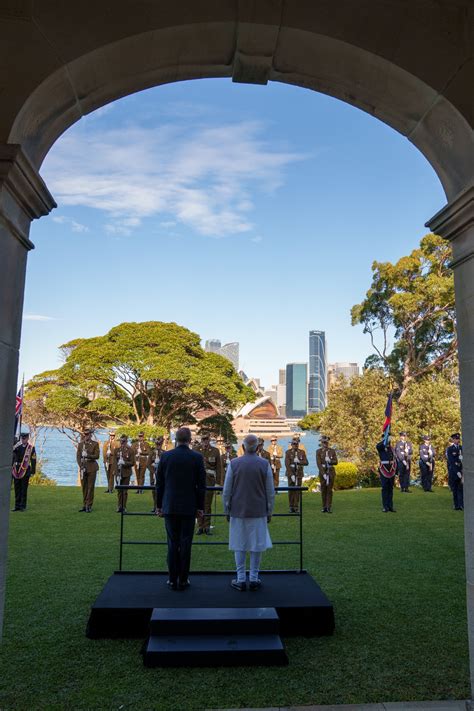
<point>59,456</point>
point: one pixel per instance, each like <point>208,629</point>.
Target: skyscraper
<point>231,352</point>
<point>213,345</point>
<point>296,389</point>
<point>317,371</point>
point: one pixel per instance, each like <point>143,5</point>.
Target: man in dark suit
<point>180,492</point>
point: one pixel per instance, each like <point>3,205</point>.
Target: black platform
<point>125,605</point>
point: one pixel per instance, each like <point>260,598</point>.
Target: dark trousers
<point>387,491</point>
<point>123,495</point>
<point>457,489</point>
<point>426,475</point>
<point>179,531</point>
<point>21,491</point>
<point>204,522</point>
<point>403,476</point>
<point>294,496</point>
<point>327,487</point>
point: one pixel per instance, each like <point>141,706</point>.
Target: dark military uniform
<point>110,462</point>
<point>87,455</point>
<point>326,459</point>
<point>141,452</point>
<point>152,464</point>
<point>427,464</point>
<point>455,474</point>
<point>404,454</point>
<point>276,455</point>
<point>295,460</point>
<point>213,467</point>
<point>226,458</point>
<point>125,461</point>
<point>387,469</point>
<point>20,464</point>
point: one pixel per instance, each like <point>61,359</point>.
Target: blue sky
<point>244,213</point>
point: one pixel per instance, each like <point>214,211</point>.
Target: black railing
<point>299,515</point>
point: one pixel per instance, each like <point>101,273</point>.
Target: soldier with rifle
<point>110,462</point>
<point>125,461</point>
<point>153,461</point>
<point>276,455</point>
<point>141,452</point>
<point>88,452</point>
<point>427,464</point>
<point>326,460</point>
<point>227,455</point>
<point>404,454</point>
<point>295,460</point>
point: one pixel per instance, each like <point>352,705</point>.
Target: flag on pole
<point>19,410</point>
<point>388,420</point>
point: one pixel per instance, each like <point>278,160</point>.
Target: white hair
<point>250,444</point>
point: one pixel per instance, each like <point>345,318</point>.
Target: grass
<point>396,581</point>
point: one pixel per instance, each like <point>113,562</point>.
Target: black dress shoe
<point>83,509</point>
<point>184,584</point>
<point>385,510</point>
<point>208,532</point>
<point>324,510</point>
<point>393,510</point>
<point>17,508</point>
<point>241,587</point>
<point>199,532</point>
<point>89,509</point>
<point>255,584</point>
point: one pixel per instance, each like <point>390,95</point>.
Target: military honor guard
<point>387,471</point>
<point>227,455</point>
<point>404,454</point>
<point>455,473</point>
<point>427,463</point>
<point>261,451</point>
<point>23,466</point>
<point>213,467</point>
<point>326,460</point>
<point>153,461</point>
<point>295,460</point>
<point>125,462</point>
<point>276,455</point>
<point>141,452</point>
<point>87,455</point>
<point>110,462</point>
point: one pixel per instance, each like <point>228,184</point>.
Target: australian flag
<point>388,420</point>
<point>18,410</point>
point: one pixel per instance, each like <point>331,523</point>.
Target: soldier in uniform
<point>427,463</point>
<point>213,467</point>
<point>141,452</point>
<point>153,461</point>
<point>326,459</point>
<point>387,469</point>
<point>110,463</point>
<point>227,455</point>
<point>276,455</point>
<point>404,454</point>
<point>125,462</point>
<point>167,443</point>
<point>301,446</point>
<point>220,444</point>
<point>88,452</point>
<point>23,466</point>
<point>262,452</point>
<point>295,460</point>
<point>455,473</point>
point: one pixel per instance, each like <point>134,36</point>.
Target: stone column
<point>456,223</point>
<point>23,197</point>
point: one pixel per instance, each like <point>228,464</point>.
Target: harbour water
<point>58,455</point>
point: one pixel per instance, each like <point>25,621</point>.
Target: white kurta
<point>249,534</point>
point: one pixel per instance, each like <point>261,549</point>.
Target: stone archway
<point>410,64</point>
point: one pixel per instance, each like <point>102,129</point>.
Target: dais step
<point>214,621</point>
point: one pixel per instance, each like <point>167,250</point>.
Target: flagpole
<point>22,399</point>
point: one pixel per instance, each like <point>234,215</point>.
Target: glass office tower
<point>317,371</point>
<point>296,389</point>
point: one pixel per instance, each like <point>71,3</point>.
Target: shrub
<point>347,475</point>
<point>40,479</point>
<point>312,483</point>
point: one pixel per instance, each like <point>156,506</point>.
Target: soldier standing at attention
<point>88,452</point>
<point>153,461</point>
<point>125,461</point>
<point>455,474</point>
<point>276,455</point>
<point>213,467</point>
<point>427,463</point>
<point>227,455</point>
<point>295,460</point>
<point>326,459</point>
<point>141,452</point>
<point>403,454</point>
<point>24,464</point>
<point>387,469</point>
<point>110,463</point>
<point>261,451</point>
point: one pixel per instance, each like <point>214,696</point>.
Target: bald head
<point>250,444</point>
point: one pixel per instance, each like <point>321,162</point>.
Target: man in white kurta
<point>248,498</point>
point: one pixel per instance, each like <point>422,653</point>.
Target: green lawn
<point>396,582</point>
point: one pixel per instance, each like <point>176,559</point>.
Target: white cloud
<point>206,178</point>
<point>37,317</point>
<point>75,226</point>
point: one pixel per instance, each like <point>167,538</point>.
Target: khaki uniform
<point>265,455</point>
<point>295,460</point>
<point>110,463</point>
<point>87,455</point>
<point>213,467</point>
<point>226,457</point>
<point>141,452</point>
<point>152,464</point>
<point>326,459</point>
<point>125,461</point>
<point>276,455</point>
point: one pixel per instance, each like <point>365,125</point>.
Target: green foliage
<point>40,479</point>
<point>311,422</point>
<point>347,475</point>
<point>413,298</point>
<point>151,432</point>
<point>312,483</point>
<point>218,426</point>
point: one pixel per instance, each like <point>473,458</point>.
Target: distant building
<point>347,370</point>
<point>317,371</point>
<point>282,376</point>
<point>231,352</point>
<point>296,389</point>
<point>213,346</point>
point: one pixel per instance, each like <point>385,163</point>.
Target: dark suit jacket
<point>180,482</point>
